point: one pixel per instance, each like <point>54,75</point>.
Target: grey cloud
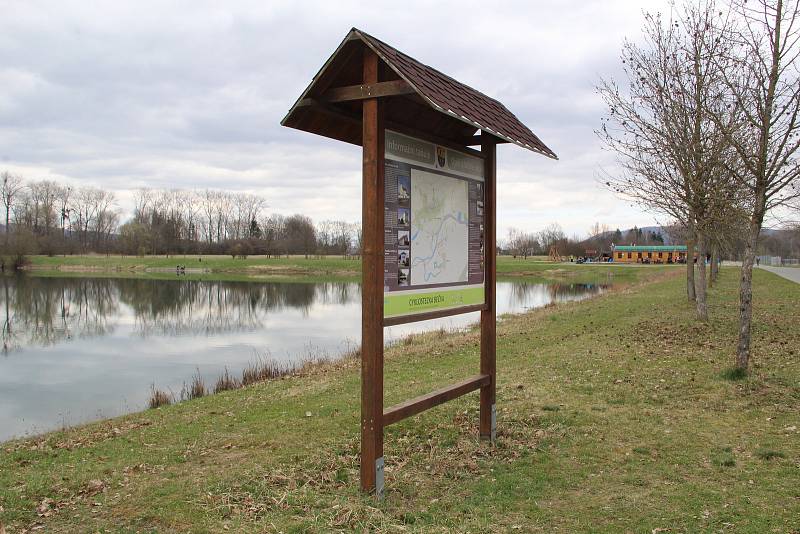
<point>190,94</point>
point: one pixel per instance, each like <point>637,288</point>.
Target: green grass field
<point>294,267</point>
<point>614,416</point>
<point>254,265</point>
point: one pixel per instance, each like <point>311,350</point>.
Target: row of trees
<point>522,243</point>
<point>50,218</point>
<point>707,128</point>
<point>784,242</point>
<point>47,212</point>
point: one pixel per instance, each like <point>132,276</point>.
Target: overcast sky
<point>190,95</point>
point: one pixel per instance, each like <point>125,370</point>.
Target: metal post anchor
<point>379,478</point>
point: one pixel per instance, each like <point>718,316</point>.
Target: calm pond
<point>80,349</point>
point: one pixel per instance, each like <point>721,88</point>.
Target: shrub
<point>159,397</point>
<point>196,388</point>
<point>226,382</point>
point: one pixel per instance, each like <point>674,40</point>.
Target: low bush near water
<point>159,398</point>
<point>259,370</point>
<point>226,382</point>
<point>195,389</point>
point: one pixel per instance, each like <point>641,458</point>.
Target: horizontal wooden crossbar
<point>367,90</point>
<point>401,411</point>
<point>360,92</point>
<point>392,321</point>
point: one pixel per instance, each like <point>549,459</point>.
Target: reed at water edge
<point>259,370</point>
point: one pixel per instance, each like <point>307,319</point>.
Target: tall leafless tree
<point>670,149</point>
<point>11,186</point>
<point>765,86</point>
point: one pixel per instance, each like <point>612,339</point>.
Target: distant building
<point>649,253</point>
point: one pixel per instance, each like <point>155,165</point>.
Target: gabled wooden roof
<point>435,104</point>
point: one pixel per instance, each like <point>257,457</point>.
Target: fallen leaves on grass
<point>76,439</point>
<point>94,487</point>
<point>45,507</point>
<point>297,488</point>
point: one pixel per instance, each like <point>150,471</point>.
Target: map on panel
<point>433,227</point>
<point>439,228</point>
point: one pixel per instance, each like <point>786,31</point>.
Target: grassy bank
<point>253,266</point>
<point>293,267</point>
<point>614,416</point>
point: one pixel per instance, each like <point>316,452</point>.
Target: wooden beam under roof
<point>367,90</point>
<point>334,111</point>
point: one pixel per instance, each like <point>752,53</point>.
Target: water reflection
<point>46,311</point>
<point>83,348</point>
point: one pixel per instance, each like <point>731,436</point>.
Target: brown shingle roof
<point>439,106</point>
<point>457,99</point>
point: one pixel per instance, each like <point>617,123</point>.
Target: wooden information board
<point>428,211</point>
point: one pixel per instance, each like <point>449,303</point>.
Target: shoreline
<point>304,364</point>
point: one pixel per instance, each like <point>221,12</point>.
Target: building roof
<point>435,90</point>
<point>650,248</point>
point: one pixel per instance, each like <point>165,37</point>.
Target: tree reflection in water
<point>43,311</point>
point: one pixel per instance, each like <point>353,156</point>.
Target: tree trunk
<point>690,290</point>
<point>746,297</point>
<point>711,268</point>
<point>714,266</point>
<point>700,280</point>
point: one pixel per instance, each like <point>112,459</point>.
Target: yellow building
<point>649,254</point>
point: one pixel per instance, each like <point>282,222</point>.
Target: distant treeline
<point>45,217</point>
<point>784,243</point>
<point>553,240</point>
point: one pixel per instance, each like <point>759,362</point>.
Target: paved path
<point>790,273</point>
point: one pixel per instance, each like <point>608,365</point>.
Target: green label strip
<point>400,303</point>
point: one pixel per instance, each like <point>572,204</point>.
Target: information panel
<point>433,231</point>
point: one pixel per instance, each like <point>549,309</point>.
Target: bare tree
<point>324,231</point>
<point>273,229</point>
<point>252,206</point>
<point>64,208</point>
<point>341,237</point>
<point>357,232</point>
<point>44,196</point>
<point>598,230</point>
<point>514,241</point>
<point>11,186</point>
<point>670,149</point>
<point>94,220</point>
<point>300,235</point>
<point>765,86</point>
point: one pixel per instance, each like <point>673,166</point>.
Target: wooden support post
<point>489,314</point>
<point>372,285</point>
